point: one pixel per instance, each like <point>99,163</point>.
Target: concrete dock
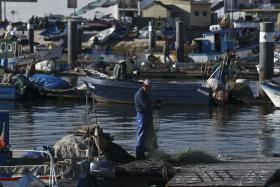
<point>249,173</point>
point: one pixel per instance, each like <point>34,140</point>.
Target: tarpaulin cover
<point>50,32</point>
<point>48,82</point>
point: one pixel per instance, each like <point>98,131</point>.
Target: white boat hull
<point>272,93</point>
<point>243,53</point>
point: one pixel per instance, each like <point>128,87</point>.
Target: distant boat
<point>272,90</point>
<point>103,36</point>
<point>122,91</point>
<point>96,25</point>
<point>215,44</point>
<point>94,5</point>
<point>54,34</point>
<point>15,56</point>
<point>7,92</point>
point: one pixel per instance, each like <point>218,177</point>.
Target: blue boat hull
<point>114,91</point>
<point>7,92</point>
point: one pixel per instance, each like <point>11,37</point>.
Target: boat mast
<point>5,10</point>
<point>124,11</point>
<point>231,2</point>
<point>1,10</point>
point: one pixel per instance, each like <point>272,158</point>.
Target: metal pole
<point>139,8</point>
<point>179,45</point>
<point>5,10</point>
<point>72,42</point>
<point>152,42</point>
<point>1,10</point>
<point>30,27</point>
<point>80,38</point>
<point>231,12</point>
<point>124,11</point>
<point>266,62</point>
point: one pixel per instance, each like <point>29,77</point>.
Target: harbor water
<point>231,131</point>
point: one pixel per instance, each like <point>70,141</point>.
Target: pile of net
<point>91,141</point>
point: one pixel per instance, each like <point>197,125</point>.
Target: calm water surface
<point>233,131</point>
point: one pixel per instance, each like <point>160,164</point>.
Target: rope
<point>156,122</point>
<point>66,170</point>
<point>52,179</point>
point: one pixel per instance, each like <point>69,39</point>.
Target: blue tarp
<point>4,63</point>
<point>50,32</point>
<point>48,82</point>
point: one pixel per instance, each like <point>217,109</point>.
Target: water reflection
<point>270,130</point>
<point>7,105</point>
<point>235,131</point>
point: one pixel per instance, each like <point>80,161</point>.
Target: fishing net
<point>151,143</point>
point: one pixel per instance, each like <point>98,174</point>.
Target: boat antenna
<point>90,89</point>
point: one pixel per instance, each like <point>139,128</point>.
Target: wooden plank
<point>249,174</point>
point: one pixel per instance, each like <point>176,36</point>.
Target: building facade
<point>192,13</point>
<point>130,7</point>
<point>236,5</point>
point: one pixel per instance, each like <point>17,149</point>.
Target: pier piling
<point>180,39</point>
<point>72,42</point>
<point>152,42</point>
<point>266,53</point>
<point>139,11</point>
<point>80,38</point>
<point>30,27</point>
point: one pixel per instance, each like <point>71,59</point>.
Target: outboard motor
<point>102,172</point>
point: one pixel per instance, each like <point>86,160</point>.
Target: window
<point>9,47</point>
<point>204,13</point>
<point>3,47</point>
<point>196,13</point>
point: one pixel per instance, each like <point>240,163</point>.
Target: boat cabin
<point>7,48</point>
<point>220,40</point>
<point>11,48</point>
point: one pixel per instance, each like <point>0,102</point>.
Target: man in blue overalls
<point>144,117</point>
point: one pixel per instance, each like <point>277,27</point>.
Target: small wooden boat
<point>7,92</point>
<point>272,90</point>
<point>23,167</point>
<point>122,91</point>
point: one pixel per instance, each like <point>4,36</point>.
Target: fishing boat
<point>16,55</point>
<point>218,41</point>
<point>96,25</point>
<point>122,91</point>
<point>103,36</point>
<point>54,34</point>
<point>272,90</point>
<point>21,167</point>
<point>7,92</point>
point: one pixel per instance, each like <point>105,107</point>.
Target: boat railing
<point>52,179</point>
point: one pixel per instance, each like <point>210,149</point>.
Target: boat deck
<point>249,173</point>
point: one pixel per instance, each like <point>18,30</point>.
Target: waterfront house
<point>193,13</point>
